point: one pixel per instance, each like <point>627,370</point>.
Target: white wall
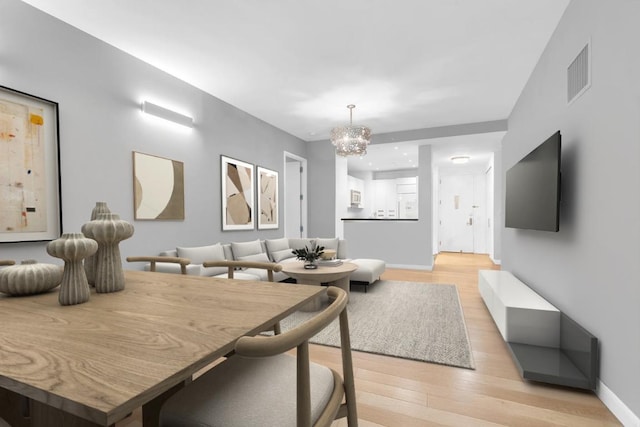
<point>99,89</point>
<point>590,268</point>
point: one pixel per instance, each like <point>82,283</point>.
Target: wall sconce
<point>164,113</point>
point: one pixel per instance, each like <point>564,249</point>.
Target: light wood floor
<point>403,393</point>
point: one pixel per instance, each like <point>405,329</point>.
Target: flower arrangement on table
<point>309,256</point>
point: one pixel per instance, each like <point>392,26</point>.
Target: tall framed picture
<point>158,187</point>
<point>237,194</point>
<point>30,207</point>
<point>267,198</point>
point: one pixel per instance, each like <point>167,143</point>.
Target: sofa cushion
<point>173,253</point>
<point>261,257</point>
<point>369,270</point>
<point>297,243</point>
<point>275,245</point>
<point>200,254</point>
<point>228,252</point>
<point>328,243</point>
<point>243,249</point>
<point>279,256</point>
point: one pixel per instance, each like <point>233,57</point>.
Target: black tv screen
<point>532,199</point>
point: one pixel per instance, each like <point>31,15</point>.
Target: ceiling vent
<point>579,74</point>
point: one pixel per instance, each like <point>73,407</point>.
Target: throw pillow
<point>243,249</point>
<point>278,256</point>
<point>328,243</point>
<point>200,254</point>
<point>301,243</point>
<point>261,257</point>
<point>274,245</point>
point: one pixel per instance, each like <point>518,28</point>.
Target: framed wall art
<point>237,194</point>
<point>267,198</point>
<point>30,206</point>
<point>158,187</point>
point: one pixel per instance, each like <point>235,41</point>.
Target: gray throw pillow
<point>301,243</point>
<point>328,243</point>
<point>243,249</point>
<point>274,245</point>
<point>200,254</point>
<point>278,256</point>
<point>261,257</point>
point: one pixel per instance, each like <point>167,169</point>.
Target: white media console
<point>546,345</point>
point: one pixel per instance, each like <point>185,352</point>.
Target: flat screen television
<point>532,198</point>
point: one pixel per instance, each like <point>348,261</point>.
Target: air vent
<point>579,75</point>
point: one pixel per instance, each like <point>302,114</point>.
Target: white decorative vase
<point>90,262</point>
<point>29,278</point>
<point>73,248</point>
<point>108,230</point>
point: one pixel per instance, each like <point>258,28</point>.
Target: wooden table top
<point>297,268</point>
<point>102,359</point>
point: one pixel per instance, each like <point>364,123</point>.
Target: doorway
<point>462,213</point>
<point>295,199</point>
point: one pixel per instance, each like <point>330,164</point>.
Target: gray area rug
<point>419,321</point>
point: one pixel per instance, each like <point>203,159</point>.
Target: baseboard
<point>495,261</point>
<point>411,267</point>
<point>617,407</point>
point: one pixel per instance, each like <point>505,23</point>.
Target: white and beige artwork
<point>158,188</point>
<point>267,198</point>
<point>23,178</point>
<point>237,194</point>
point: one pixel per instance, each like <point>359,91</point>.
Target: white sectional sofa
<point>270,250</point>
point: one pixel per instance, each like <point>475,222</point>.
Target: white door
<point>292,199</point>
<point>456,213</point>
<point>480,222</point>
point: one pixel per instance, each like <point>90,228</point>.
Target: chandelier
<point>351,140</point>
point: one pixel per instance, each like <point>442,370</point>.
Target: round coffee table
<point>333,276</point>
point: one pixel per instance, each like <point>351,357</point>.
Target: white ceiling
<point>296,64</point>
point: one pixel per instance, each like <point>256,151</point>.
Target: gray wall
<point>589,269</point>
<point>402,244</point>
<point>321,189</point>
<point>99,90</point>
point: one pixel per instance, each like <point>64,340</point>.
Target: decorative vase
<point>29,278</point>
<point>90,262</point>
<point>310,265</point>
<point>108,230</point>
<point>73,248</point>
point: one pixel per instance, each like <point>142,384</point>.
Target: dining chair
<point>263,385</point>
<point>152,260</point>
<point>232,265</point>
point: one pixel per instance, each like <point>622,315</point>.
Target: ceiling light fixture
<point>458,160</point>
<point>351,140</point>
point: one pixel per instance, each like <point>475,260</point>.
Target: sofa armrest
<point>342,249</point>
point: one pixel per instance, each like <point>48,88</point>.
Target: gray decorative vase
<point>90,262</point>
<point>108,230</point>
<point>29,278</point>
<point>73,248</point>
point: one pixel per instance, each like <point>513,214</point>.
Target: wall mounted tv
<point>532,199</point>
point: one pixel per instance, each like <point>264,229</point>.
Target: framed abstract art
<point>158,187</point>
<point>30,207</point>
<point>237,194</point>
<point>267,198</point>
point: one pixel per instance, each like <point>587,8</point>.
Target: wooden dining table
<point>92,364</point>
